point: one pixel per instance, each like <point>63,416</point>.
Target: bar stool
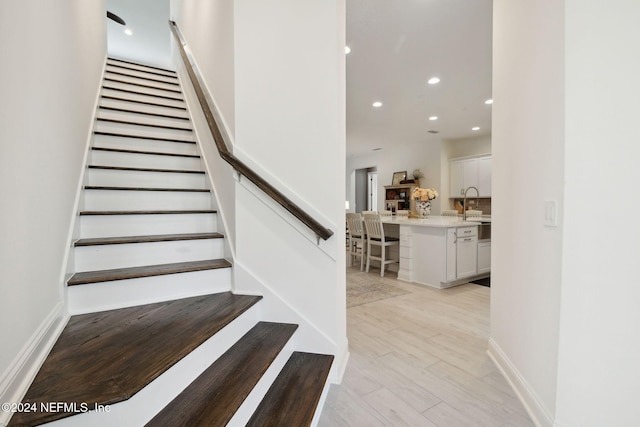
<point>357,247</point>
<point>375,236</point>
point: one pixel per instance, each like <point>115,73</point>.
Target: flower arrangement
<point>417,174</point>
<point>424,194</point>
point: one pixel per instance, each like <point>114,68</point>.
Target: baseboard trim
<point>540,415</point>
<point>15,383</point>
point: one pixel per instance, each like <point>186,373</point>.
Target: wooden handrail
<point>240,167</point>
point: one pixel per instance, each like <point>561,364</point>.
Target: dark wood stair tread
<point>110,79</point>
<point>124,168</point>
<point>153,138</point>
<point>213,398</point>
<point>153,153</point>
<point>147,212</point>
<point>293,397</point>
<point>136,101</point>
<point>146,239</point>
<point>136,92</point>
<point>88,277</point>
<point>146,113</point>
<point>151,125</point>
<point>151,79</point>
<point>184,190</point>
<point>107,357</point>
<point>124,61</point>
<point>124,66</point>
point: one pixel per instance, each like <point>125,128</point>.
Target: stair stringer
<point>145,404</point>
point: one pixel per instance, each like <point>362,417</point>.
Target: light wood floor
<point>419,359</point>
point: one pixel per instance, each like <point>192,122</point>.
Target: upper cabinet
<point>472,172</point>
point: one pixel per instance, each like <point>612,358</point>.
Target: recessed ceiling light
<point>433,80</point>
<point>128,32</point>
<point>377,104</point>
<point>433,118</point>
<point>376,149</point>
<point>347,50</point>
<point>489,101</point>
<point>475,128</point>
<point>433,131</point>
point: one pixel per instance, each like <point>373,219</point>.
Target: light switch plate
<point>550,213</point>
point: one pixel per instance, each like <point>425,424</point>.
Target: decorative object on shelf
<point>398,176</point>
<point>423,197</point>
<point>417,175</point>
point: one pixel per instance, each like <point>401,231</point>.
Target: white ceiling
<point>396,46</point>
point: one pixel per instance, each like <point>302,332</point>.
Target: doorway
<point>366,189</point>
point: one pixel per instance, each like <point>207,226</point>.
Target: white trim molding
<point>539,414</point>
<point>17,379</point>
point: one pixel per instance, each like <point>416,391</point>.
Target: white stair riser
<point>120,178</point>
<point>140,73</point>
<point>141,225</point>
<point>136,106</point>
<point>143,118</point>
<point>119,200</point>
<point>146,290</point>
<point>144,80</point>
<point>142,68</point>
<point>142,89</point>
<point>106,257</point>
<point>123,143</point>
<point>138,160</point>
<point>142,98</point>
<point>144,131</point>
<point>145,404</point>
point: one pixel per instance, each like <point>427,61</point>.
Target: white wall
<point>290,125</point>
<point>528,155</point>
<point>52,59</point>
<point>426,156</point>
<point>207,27</point>
<point>565,300</point>
<point>598,372</point>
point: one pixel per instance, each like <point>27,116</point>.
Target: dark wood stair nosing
<point>109,356</point>
<point>294,395</point>
<point>122,168</point>
<point>214,397</point>
<point>151,79</point>
<point>177,190</point>
<point>152,138</point>
<point>146,113</point>
<point>101,241</point>
<point>137,101</point>
<point>110,275</point>
<point>135,92</point>
<point>141,65</point>
<point>173,74</point>
<point>151,153</point>
<point>109,79</point>
<point>152,125</point>
<point>147,212</point>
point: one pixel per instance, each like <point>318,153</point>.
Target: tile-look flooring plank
<point>420,359</point>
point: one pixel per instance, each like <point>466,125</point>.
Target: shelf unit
<point>398,197</point>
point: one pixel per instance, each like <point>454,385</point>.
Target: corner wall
<point>528,169</point>
<point>53,54</point>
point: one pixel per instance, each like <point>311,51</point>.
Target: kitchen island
<point>437,251</point>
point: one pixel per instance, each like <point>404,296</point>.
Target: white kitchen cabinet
<point>484,257</point>
<point>484,176</point>
<point>466,252</point>
<point>473,172</point>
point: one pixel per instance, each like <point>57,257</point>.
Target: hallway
<point>419,359</point>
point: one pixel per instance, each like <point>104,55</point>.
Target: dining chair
<point>357,246</point>
<point>376,237</point>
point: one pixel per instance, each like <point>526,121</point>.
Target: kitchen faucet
<point>464,203</point>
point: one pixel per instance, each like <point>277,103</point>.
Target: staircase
<point>156,336</point>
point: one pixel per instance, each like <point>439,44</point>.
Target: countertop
<point>432,221</point>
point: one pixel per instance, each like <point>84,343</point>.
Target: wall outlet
<point>550,213</point>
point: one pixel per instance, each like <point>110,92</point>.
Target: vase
<point>423,208</point>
